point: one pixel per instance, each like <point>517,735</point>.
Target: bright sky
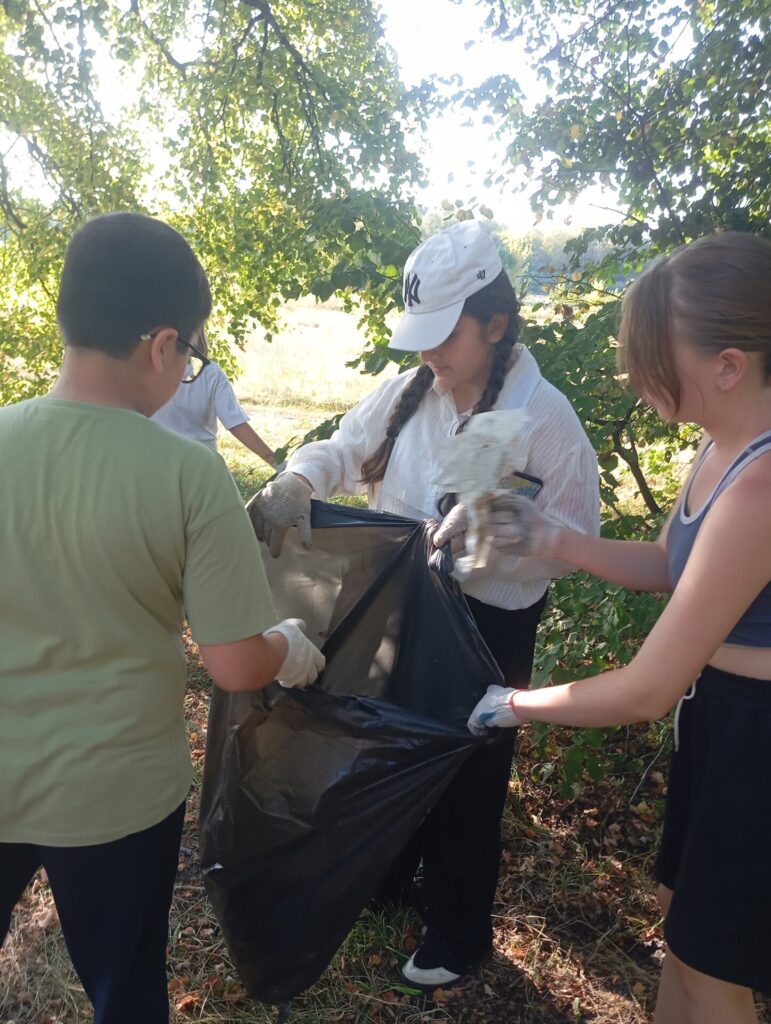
<point>428,37</point>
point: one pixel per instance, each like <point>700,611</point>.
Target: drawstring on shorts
<point>688,695</point>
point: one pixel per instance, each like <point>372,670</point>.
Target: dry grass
<point>577,936</point>
<point>577,933</point>
<point>565,950</point>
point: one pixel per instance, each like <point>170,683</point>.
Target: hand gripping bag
<point>309,795</point>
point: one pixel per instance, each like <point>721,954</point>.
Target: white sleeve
<point>334,466</point>
<point>562,456</point>
<point>226,407</point>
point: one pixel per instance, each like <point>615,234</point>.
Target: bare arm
<point>517,528</point>
<point>249,437</point>
<point>246,664</point>
<point>638,565</point>
<point>728,567</point>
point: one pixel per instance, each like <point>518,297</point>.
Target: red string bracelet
<point>514,711</point>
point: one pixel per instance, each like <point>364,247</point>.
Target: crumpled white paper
<point>472,464</point>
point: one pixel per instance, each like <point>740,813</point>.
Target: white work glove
<point>453,528</point>
<point>284,502</point>
<point>303,660</point>
<point>517,527</point>
<point>494,709</point>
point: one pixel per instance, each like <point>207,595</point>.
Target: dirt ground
<point>577,931</point>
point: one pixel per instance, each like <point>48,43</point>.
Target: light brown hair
<point>715,292</point>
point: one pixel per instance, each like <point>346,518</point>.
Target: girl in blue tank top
<point>695,339</point>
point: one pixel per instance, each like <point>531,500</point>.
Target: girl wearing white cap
<point>461,314</point>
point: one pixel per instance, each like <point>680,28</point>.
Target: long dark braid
<point>373,469</point>
<point>497,297</point>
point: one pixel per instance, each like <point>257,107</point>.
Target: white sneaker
<point>434,964</point>
<point>430,977</point>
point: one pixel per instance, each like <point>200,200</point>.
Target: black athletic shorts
<point>716,845</point>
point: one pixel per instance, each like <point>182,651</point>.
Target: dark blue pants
<point>113,901</point>
<point>459,843</point>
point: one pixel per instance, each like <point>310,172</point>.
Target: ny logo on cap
<point>411,286</point>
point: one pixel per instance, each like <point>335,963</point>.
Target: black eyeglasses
<point>196,361</point>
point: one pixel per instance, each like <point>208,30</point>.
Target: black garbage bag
<point>309,795</point>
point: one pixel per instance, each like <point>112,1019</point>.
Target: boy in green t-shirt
<point>112,530</point>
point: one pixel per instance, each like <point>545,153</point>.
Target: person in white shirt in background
<point>198,404</point>
<point>461,315</point>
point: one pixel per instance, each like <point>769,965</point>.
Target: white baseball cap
<point>438,278</point>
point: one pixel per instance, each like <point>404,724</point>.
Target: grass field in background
<point>298,380</point>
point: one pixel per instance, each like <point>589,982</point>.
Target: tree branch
<point>226,94</point>
<point>630,457</point>
<point>180,66</point>
<point>303,73</point>
<point>6,203</point>
<point>47,165</point>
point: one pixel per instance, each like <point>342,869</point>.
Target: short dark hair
<point>125,274</point>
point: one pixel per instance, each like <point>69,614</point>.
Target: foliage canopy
<point>667,106</point>
<point>272,136</point>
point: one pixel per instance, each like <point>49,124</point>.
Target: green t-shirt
<point>112,530</point>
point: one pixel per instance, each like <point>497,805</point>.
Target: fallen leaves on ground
<point>577,935</point>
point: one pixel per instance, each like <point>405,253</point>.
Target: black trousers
<point>459,843</point>
<point>113,901</point>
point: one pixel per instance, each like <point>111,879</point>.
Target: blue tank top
<point>754,627</point>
